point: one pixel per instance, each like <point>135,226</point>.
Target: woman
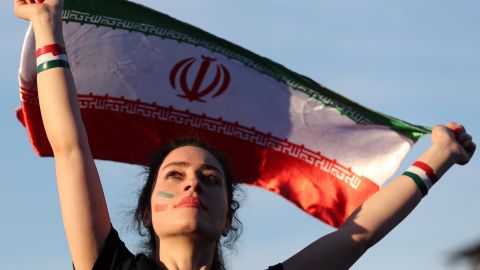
<point>187,204</point>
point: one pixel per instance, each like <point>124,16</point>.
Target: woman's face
<point>190,195</point>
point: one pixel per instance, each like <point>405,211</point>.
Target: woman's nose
<point>193,183</point>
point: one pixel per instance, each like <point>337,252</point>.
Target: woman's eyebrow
<point>177,163</point>
<point>187,164</point>
<point>211,167</point>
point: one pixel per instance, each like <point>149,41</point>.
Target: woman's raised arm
<point>84,210</point>
<point>387,208</point>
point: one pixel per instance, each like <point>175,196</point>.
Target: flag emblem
<point>181,72</point>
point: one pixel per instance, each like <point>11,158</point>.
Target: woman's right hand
<point>33,10</point>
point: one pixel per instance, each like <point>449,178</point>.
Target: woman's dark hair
<point>143,203</point>
<point>471,254</point>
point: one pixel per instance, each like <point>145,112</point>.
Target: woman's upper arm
<point>337,250</point>
<point>84,210</point>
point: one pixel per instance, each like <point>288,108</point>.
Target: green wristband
<point>52,64</point>
<point>420,184</point>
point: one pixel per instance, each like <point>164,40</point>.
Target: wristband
<point>52,64</point>
<point>428,170</point>
<point>422,175</point>
<point>54,49</point>
<point>50,57</point>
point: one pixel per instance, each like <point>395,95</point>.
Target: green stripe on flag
<point>119,14</point>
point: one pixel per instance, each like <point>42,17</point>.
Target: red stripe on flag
<point>130,131</point>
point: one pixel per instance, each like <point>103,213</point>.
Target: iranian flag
<point>145,78</point>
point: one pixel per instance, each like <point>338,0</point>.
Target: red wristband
<point>55,49</point>
<point>428,170</point>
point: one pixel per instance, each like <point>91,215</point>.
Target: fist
<point>454,139</point>
<point>34,9</point>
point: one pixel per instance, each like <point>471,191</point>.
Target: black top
<point>276,267</point>
<point>115,256</point>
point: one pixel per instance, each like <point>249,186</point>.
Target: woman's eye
<point>211,178</point>
<point>174,175</point>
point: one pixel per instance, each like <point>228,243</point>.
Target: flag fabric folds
<point>144,78</point>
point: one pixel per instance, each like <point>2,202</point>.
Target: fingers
<point>455,126</point>
<point>32,9</point>
<point>458,130</point>
<point>462,138</point>
<point>29,1</point>
<point>469,147</point>
<point>465,140</point>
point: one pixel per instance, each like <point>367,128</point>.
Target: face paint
<point>190,202</point>
<point>165,194</point>
<point>160,207</point>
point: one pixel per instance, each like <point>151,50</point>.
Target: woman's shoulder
<point>142,262</point>
<point>276,267</point>
<point>116,256</point>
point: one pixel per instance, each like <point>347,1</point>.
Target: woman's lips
<point>190,202</point>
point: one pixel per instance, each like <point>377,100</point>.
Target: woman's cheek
<point>161,200</point>
<point>160,207</point>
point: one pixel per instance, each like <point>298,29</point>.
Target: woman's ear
<point>146,218</point>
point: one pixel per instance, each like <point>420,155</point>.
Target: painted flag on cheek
<point>144,78</point>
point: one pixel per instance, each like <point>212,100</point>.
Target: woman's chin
<point>189,226</point>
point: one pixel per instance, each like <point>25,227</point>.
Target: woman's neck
<point>185,253</point>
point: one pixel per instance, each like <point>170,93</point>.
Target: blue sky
<point>415,60</point>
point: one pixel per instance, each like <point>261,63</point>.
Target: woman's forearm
<point>388,207</point>
<point>57,94</point>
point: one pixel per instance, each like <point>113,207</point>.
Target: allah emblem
<point>199,89</point>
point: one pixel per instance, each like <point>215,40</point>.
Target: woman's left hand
<point>454,139</point>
